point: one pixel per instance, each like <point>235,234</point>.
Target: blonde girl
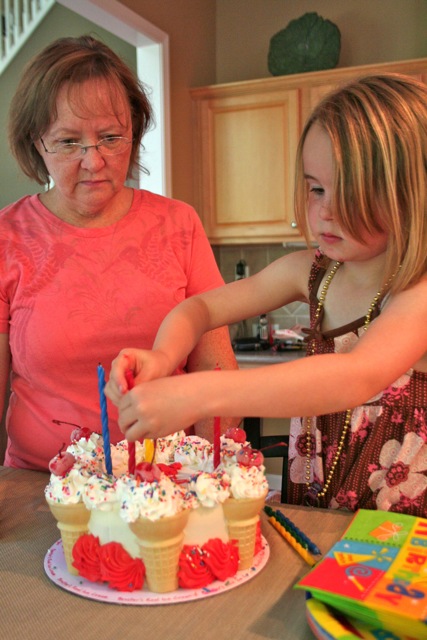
<point>361,394</point>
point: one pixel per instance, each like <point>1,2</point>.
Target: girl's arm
<point>213,350</point>
<point>282,282</point>
<point>394,342</point>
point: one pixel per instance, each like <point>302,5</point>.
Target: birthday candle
<point>131,445</point>
<point>293,542</point>
<point>217,441</point>
<point>293,530</point>
<point>104,420</point>
<point>217,436</point>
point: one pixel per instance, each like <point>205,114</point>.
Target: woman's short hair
<point>73,61</point>
<point>378,130</point>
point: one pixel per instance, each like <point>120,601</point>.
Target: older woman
<point>89,265</point>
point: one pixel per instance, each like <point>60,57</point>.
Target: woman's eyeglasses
<point>110,146</point>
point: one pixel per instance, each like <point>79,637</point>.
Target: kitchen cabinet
<point>245,157</point>
<point>246,136</point>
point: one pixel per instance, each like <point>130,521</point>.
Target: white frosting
<point>195,453</point>
<point>228,444</point>
<point>120,457</point>
<point>107,525</point>
<point>100,493</point>
<point>205,523</point>
<point>68,489</point>
<point>152,500</point>
<point>89,451</point>
<point>165,447</point>
<point>85,447</point>
<point>210,489</point>
<point>229,448</point>
<point>247,482</point>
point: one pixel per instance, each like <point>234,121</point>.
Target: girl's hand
<point>160,407</point>
<point>144,365</point>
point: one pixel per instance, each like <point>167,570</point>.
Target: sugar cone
<point>160,542</point>
<point>242,516</point>
<point>72,521</point>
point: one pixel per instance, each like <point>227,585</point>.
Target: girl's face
<point>318,162</point>
<point>88,186</point>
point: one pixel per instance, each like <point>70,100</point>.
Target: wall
<point>371,31</point>
<point>191,28</point>
<point>60,22</point>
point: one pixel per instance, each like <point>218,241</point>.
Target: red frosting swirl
<point>107,563</point>
<point>86,557</point>
<point>119,569</point>
<point>193,572</point>
<point>199,566</point>
<point>222,558</point>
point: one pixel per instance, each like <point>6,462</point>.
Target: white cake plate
<point>56,570</point>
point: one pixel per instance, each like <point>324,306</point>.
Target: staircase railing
<point>19,18</point>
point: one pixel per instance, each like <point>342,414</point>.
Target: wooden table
<point>33,607</point>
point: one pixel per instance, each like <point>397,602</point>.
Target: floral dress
<point>383,464</point>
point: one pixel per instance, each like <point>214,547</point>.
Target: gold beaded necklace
<point>314,490</point>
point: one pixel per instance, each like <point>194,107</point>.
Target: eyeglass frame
<point>84,147</point>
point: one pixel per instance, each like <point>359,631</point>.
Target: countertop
<point>264,608</point>
<point>261,358</point>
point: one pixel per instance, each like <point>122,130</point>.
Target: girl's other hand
<point>144,364</point>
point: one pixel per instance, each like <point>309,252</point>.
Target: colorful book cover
<point>377,572</point>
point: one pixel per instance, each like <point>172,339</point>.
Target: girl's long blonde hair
<point>378,129</point>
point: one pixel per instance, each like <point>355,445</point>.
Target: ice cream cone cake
<point>160,542</point>
<point>72,521</point>
<point>171,500</point>
<point>242,516</point>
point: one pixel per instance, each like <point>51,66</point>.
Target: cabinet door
<point>311,96</point>
<point>247,146</point>
<point>313,92</point>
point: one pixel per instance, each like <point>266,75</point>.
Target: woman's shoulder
<point>171,211</point>
<point>15,217</point>
<point>164,203</point>
<point>21,206</point>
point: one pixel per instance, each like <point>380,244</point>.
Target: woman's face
<point>318,161</point>
<point>91,186</point>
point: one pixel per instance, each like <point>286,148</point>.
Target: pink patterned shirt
<point>72,297</point>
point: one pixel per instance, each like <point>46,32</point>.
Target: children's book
<point>377,573</point>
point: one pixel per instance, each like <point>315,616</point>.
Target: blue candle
<point>104,420</point>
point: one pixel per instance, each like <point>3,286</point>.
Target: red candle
<point>217,441</point>
<point>131,445</point>
<point>217,435</point>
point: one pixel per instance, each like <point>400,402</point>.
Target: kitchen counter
<point>249,359</point>
<point>266,606</point>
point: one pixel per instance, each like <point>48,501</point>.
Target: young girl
<point>362,391</point>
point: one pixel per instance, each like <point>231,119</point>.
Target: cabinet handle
<point>294,224</point>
